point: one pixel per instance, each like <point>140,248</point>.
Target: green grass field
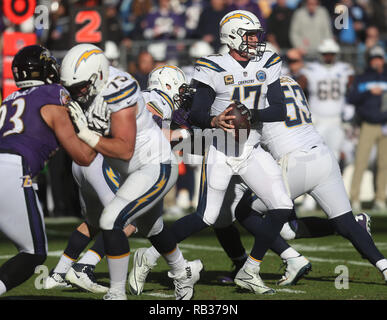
<point>325,254</point>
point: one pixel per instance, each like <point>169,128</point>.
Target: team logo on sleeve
<point>229,79</point>
<point>27,181</point>
<point>261,76</point>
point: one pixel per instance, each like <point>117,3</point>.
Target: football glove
<point>81,125</point>
<point>243,109</point>
<point>98,116</point>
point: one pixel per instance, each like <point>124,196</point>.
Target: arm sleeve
<point>277,108</point>
<point>200,112</point>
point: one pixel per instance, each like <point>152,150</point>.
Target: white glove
<point>98,116</point>
<point>80,122</point>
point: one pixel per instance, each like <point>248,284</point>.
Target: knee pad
<point>287,232</point>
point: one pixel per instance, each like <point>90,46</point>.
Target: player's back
<point>297,131</point>
<point>327,86</point>
<point>22,128</point>
<point>160,102</point>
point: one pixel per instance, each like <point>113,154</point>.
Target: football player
<point>309,166</point>
<point>249,74</point>
<point>98,182</point>
<point>34,124</point>
<point>327,81</point>
<point>139,152</point>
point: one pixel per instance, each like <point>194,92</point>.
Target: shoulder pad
<point>122,93</point>
<point>207,63</point>
<point>274,59</point>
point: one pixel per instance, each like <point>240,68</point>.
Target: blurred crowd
<point>142,34</point>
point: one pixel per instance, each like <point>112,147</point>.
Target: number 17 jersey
<point>231,81</point>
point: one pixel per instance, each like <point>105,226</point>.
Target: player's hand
<point>81,125</point>
<point>222,121</point>
<point>98,116</point>
<point>377,91</point>
<point>77,116</point>
<point>243,109</point>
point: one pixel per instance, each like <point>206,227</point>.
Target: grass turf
<point>325,254</point>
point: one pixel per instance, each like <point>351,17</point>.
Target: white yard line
<point>301,247</point>
<point>158,294</point>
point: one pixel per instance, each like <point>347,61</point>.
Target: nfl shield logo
<point>261,76</point>
<point>245,73</point>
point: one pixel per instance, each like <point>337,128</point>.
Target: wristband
<point>89,137</point>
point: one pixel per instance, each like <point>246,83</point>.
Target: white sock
<point>289,253</point>
<point>152,255</point>
<point>64,264</point>
<point>253,263</point>
<point>90,257</point>
<point>3,289</point>
<point>381,264</point>
<point>175,260</point>
<point>118,269</point>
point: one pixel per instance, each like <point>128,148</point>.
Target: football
<point>241,122</point>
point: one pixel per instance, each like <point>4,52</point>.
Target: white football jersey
<point>231,81</point>
<point>327,85</point>
<point>297,131</point>
<point>122,91</point>
<point>160,102</point>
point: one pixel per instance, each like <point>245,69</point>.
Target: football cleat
<point>296,268</point>
<point>55,280</point>
<point>237,266</point>
<point>365,221</point>
<point>250,279</point>
<point>139,272</point>
<point>184,281</point>
<point>82,276</point>
<point>114,294</point>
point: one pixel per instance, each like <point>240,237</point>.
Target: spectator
<point>192,14</point>
<point>133,13</point>
<point>293,64</point>
<point>145,65</point>
<point>163,23</point>
<point>309,26</point>
<point>113,25</point>
<point>357,19</point>
<point>59,31</point>
<point>208,26</point>
<point>379,14</point>
<point>368,94</point>
<point>278,25</point>
<point>372,39</point>
<point>248,5</point>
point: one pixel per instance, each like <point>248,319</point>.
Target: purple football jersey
<point>23,130</point>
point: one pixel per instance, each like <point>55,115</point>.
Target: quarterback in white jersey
<point>327,82</point>
<point>137,149</point>
<point>249,74</point>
